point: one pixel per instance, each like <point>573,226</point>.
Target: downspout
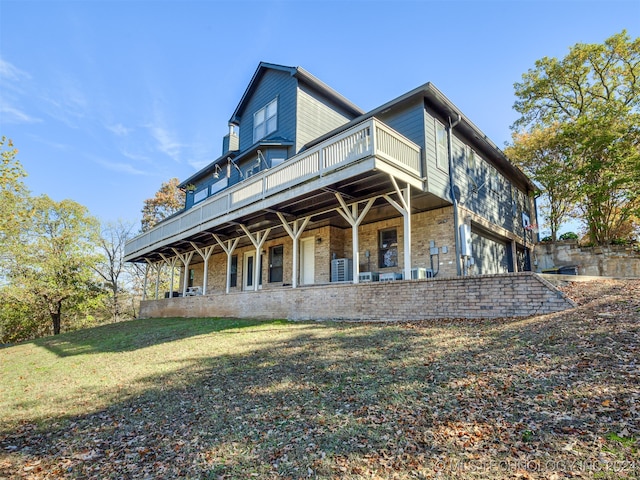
<point>452,192</point>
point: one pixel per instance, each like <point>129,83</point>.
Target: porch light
<point>261,160</point>
<point>231,162</point>
<point>216,172</point>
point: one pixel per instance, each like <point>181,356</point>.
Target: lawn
<point>554,396</point>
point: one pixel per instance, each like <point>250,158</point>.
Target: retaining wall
<point>488,296</point>
<point>611,261</point>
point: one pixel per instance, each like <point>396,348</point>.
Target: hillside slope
<point>554,396</point>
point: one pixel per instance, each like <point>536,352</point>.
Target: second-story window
<point>200,195</point>
<point>265,120</point>
<point>442,160</point>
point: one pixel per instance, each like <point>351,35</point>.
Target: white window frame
<point>200,195</point>
<point>265,120</point>
<point>219,185</point>
<point>442,157</point>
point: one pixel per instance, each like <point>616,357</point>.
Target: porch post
<point>172,264</point>
<point>352,217</point>
<point>205,253</point>
<point>186,259</point>
<point>158,267</point>
<point>294,232</point>
<point>258,242</point>
<point>228,249</point>
<point>404,207</point>
<point>146,278</point>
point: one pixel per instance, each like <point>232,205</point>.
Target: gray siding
<point>273,84</point>
<point>491,255</point>
<point>316,116</point>
<point>408,121</point>
<point>485,190</point>
<point>437,178</point>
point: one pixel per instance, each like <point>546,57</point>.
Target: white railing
<point>361,141</point>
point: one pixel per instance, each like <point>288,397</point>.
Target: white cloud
<point>122,168</point>
<point>11,72</point>
<point>135,156</point>
<point>13,115</point>
<point>166,142</point>
<point>119,129</point>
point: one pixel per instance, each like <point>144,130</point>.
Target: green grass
<point>236,399</point>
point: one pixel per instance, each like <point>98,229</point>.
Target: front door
<point>249,266</point>
<point>307,260</point>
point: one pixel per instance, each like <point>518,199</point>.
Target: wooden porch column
<point>205,253</point>
<point>156,266</point>
<point>404,207</point>
<point>228,249</point>
<point>146,279</point>
<point>294,231</point>
<point>258,242</point>
<point>350,214</point>
<point>186,259</point>
<point>172,264</point>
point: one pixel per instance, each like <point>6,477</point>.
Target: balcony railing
<point>361,141</point>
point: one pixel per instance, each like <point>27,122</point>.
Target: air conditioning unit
<point>341,270</point>
<point>369,276</point>
<point>421,273</point>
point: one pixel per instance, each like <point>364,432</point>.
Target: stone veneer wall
<point>490,296</point>
<point>611,261</point>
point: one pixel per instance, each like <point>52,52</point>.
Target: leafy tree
<point>167,201</point>
<point>53,266</point>
<point>607,165</point>
<point>543,156</point>
<point>593,95</point>
<point>12,194</point>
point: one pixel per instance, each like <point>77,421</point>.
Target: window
<point>233,278</point>
<point>442,160</point>
<point>265,120</point>
<point>219,185</point>
<point>275,263</point>
<point>471,160</point>
<point>200,195</point>
<point>388,248</point>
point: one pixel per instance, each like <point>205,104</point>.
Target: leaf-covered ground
<point>555,396</point>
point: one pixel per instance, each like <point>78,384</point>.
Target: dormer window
<point>265,120</point>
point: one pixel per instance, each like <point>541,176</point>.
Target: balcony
<point>371,139</point>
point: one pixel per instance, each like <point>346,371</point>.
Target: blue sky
<point>105,100</point>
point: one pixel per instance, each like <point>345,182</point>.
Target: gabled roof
<point>302,75</point>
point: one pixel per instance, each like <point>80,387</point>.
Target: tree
<point>12,195</point>
<point>167,201</point>
<point>608,170</point>
<point>54,264</point>
<point>543,156</point>
<point>593,95</point>
<point>112,267</point>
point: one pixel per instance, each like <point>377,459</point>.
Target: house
<point>311,190</point>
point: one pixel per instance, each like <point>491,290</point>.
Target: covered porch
<point>366,174</point>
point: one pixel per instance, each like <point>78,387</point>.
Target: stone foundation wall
<point>611,261</point>
<point>491,296</point>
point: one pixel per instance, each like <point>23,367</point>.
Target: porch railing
<point>360,141</point>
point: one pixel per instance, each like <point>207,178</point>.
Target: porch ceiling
<point>320,204</point>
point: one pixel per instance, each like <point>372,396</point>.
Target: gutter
<point>452,191</point>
